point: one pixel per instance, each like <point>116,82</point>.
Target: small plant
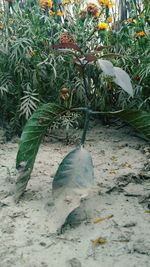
<point>75,173</point>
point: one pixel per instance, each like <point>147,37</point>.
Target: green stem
<point>86,124</point>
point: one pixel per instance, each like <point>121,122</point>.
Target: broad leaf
<point>30,142</point>
<point>76,170</point>
<point>139,120</point>
<point>71,182</point>
<point>123,80</point>
<point>120,77</point>
<point>106,66</point>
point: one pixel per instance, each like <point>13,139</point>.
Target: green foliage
<point>31,72</point>
<point>30,141</point>
<point>139,120</point>
<point>27,65</point>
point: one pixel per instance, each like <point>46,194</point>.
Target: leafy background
<point>32,73</point>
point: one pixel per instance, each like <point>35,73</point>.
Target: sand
<point>112,226</point>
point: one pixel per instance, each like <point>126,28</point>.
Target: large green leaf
<point>30,142</point>
<point>123,80</point>
<point>75,171</point>
<point>71,184</point>
<point>120,77</point>
<point>106,66</point>
<point>138,119</point>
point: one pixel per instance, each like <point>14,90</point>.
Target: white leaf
<point>106,66</point>
<point>123,80</point>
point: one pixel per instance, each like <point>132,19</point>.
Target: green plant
<point>75,173</point>
<point>32,73</point>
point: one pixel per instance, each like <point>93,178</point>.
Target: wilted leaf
<point>99,241</point>
<point>122,240</point>
<point>90,57</point>
<point>147,211</point>
<point>113,158</point>
<point>30,141</point>
<point>101,47</point>
<point>123,80</point>
<point>99,220</point>
<point>126,165</point>
<point>106,66</point>
<point>71,183</point>
<point>112,171</point>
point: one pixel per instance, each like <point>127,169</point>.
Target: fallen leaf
<point>147,211</point>
<point>126,165</point>
<point>113,158</point>
<point>122,240</point>
<point>99,220</point>
<point>112,171</point>
<point>99,241</point>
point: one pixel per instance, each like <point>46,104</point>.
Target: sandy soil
<point>112,226</point>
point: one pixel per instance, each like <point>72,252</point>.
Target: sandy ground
<point>112,226</point>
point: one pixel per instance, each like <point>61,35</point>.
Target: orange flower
<point>140,34</point>
<point>92,9</point>
<point>105,3</point>
<point>98,14</point>
<point>82,14</point>
<point>46,4</point>
<point>129,20</point>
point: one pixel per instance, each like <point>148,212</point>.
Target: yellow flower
<point>140,34</point>
<point>134,21</point>
<point>59,13</point>
<point>102,26</point>
<point>52,13</point>
<point>130,20</point>
<point>106,3</point>
<point>109,19</point>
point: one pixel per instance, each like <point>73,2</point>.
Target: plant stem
<point>86,89</point>
<point>86,124</point>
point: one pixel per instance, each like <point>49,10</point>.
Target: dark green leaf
<point>75,171</point>
<point>71,184</point>
<point>138,119</point>
<point>30,142</point>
